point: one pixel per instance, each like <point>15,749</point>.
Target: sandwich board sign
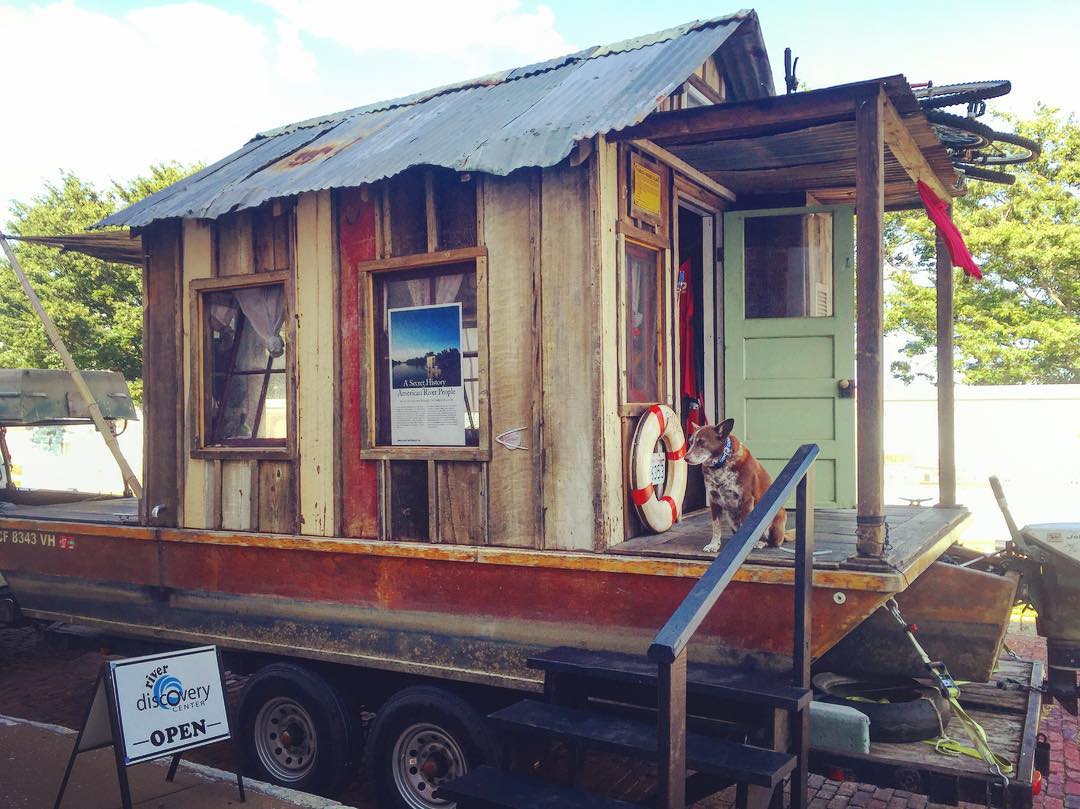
<point>154,706</point>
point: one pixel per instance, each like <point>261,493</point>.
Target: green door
<point>789,339</point>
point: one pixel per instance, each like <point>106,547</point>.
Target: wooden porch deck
<point>912,532</point>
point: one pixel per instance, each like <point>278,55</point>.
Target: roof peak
<point>512,74</point>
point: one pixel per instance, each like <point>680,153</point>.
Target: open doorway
<point>696,324</point>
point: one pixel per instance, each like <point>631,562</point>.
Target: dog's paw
<point>712,547</point>
<point>760,544</point>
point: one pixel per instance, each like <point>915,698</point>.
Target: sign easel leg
<point>172,768</point>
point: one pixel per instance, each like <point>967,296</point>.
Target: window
<point>642,324</point>
<point>244,365</point>
<point>427,357</point>
<point>789,265</point>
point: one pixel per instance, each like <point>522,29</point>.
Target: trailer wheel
<point>296,730</point>
<point>422,737</point>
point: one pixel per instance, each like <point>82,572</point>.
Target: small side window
<point>642,324</point>
<point>245,366</point>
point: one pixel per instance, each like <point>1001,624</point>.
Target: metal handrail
<point>673,637</point>
<point>668,648</point>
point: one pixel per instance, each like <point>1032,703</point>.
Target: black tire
<point>987,175</point>
<point>950,95</point>
<point>290,705</point>
<point>979,142</point>
<point>423,736</point>
<point>913,713</point>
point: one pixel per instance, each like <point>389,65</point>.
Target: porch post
<point>870,391</point>
<point>946,409</point>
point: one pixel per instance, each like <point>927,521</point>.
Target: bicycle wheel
<point>960,134</point>
<point>1020,150</point>
<point>976,173</point>
<point>949,95</point>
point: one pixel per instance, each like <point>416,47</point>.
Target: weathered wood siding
<point>316,351</point>
<point>163,385</point>
<point>571,359</point>
<point>511,234</point>
<point>202,487</point>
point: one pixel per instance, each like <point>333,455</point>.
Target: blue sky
<point>416,332</point>
<point>105,88</point>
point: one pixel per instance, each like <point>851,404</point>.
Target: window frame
<point>200,406</point>
<point>367,273</point>
<point>628,407</point>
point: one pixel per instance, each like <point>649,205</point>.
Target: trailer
<point>396,358</point>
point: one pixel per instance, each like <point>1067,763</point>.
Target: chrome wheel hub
<point>426,756</point>
<point>285,739</point>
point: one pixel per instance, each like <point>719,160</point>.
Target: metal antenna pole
<point>130,480</point>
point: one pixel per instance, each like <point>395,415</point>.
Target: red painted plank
<point>356,243</point>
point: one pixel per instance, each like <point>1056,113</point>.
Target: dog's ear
<point>724,428</point>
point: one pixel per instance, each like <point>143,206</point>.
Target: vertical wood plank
<point>570,361</point>
<point>316,295</point>
<point>239,495</point>
<point>276,497</point>
<point>357,227</point>
<point>671,733</point>
<point>198,260</point>
<point>163,379</point>
<point>461,492</point>
<point>235,244</point>
<point>870,401</point>
<point>605,212</point>
<point>801,656</point>
<point>946,385</point>
<point>511,224</point>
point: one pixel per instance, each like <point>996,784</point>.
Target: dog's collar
<point>725,456</point>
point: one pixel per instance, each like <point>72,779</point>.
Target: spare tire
<point>899,709</point>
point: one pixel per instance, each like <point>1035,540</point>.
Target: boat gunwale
<point>888,581</point>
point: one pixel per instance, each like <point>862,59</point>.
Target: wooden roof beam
<point>684,168</point>
<point>747,118</point>
<point>907,151</point>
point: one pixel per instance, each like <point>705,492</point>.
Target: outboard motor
<point>1053,586</point>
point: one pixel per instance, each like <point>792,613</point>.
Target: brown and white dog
<point>734,482</point>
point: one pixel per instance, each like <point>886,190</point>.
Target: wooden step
<point>701,679</point>
<point>488,788</point>
<point>719,757</point>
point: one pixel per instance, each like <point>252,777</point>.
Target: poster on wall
<point>427,397</point>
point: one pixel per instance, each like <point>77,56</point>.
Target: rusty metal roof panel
<point>529,116</point>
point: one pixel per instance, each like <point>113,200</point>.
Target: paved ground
<point>46,684</point>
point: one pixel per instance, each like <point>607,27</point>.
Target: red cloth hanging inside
<point>938,211</point>
<point>693,400</point>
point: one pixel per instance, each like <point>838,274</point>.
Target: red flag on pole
<point>938,211</point>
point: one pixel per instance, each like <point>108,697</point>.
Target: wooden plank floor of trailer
<point>913,530</point>
<point>1010,719</point>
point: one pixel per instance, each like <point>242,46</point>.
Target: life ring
<point>659,423</point>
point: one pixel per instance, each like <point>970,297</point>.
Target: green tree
<point>1021,323</point>
<point>97,305</point>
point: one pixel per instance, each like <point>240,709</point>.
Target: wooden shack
<point>324,477</point>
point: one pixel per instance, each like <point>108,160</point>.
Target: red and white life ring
<point>658,423</point>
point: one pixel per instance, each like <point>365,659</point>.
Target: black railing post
<point>671,736</point>
<point>801,648</point>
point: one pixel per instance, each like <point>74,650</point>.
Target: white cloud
<point>105,94</point>
<point>430,27</point>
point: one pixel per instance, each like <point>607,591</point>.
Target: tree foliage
<point>97,305</point>
<point>1021,323</point>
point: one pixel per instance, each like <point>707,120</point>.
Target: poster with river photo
<point>427,398</point>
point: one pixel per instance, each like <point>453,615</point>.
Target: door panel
<point>789,334</point>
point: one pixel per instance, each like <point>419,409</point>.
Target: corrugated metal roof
<point>529,116</point>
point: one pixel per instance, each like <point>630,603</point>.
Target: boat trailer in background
<point>1047,556</point>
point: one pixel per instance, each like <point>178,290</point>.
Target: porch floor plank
<point>913,530</point>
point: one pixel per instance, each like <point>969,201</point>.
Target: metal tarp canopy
<point>37,396</point>
<point>119,246</point>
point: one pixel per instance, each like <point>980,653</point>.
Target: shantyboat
<point>395,359</point>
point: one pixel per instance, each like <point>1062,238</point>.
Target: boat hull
<point>465,613</point>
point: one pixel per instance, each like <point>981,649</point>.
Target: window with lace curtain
<point>244,365</point>
<point>439,300</point>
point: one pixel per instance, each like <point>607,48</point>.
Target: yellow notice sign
<point>646,189</point>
